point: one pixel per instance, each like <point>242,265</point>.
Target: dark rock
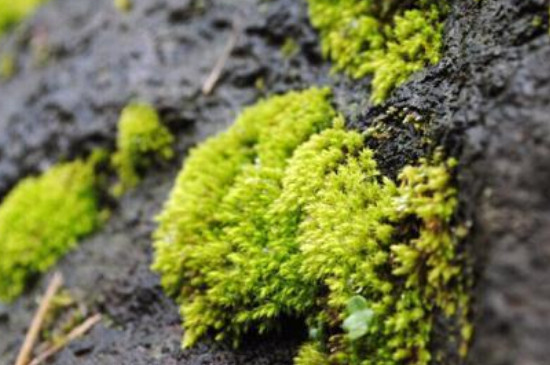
<point>487,102</point>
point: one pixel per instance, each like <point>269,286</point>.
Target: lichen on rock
<point>388,39</point>
<point>286,215</point>
<point>42,218</point>
<point>141,138</point>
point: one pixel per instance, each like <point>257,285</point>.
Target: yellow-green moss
<point>13,11</point>
<point>287,215</point>
<point>141,138</point>
<point>380,37</point>
<point>290,48</point>
<point>123,5</point>
<point>7,66</point>
<point>63,316</point>
<point>310,354</point>
<point>41,219</point>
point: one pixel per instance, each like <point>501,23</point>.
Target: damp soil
<point>487,103</point>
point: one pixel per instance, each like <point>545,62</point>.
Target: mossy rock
<point>286,215</point>
<point>141,138</point>
<point>387,39</point>
<point>43,218</point>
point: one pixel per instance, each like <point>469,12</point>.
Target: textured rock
<point>487,101</point>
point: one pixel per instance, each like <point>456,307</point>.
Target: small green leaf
<point>357,323</point>
<point>357,303</point>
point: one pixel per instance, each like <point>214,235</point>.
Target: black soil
<point>487,102</point>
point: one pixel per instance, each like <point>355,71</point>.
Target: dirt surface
<point>487,102</point>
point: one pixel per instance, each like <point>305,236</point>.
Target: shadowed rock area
<point>487,102</point>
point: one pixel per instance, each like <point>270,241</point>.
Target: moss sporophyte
<point>286,214</point>
<point>389,39</point>
<point>42,218</point>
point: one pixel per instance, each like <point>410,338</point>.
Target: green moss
<point>14,11</point>
<point>63,316</point>
<point>7,66</point>
<point>287,215</point>
<point>310,354</point>
<point>384,38</point>
<point>141,138</point>
<point>123,5</point>
<point>41,219</point>
<point>537,21</point>
<point>290,48</point>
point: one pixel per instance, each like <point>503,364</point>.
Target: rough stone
<point>487,102</point>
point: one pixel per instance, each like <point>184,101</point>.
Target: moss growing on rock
<point>123,5</point>
<point>41,219</point>
<point>287,215</point>
<point>13,11</point>
<point>7,66</point>
<point>141,138</point>
<point>389,39</point>
<point>246,162</point>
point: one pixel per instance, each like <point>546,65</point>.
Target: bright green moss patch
<point>141,138</point>
<point>41,219</point>
<point>246,163</point>
<point>287,215</point>
<point>13,11</point>
<point>389,39</point>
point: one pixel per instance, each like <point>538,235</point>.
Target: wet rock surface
<point>487,102</point>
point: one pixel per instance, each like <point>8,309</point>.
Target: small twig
<point>74,334</point>
<point>216,72</point>
<point>34,329</point>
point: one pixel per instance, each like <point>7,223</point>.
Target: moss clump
<point>287,215</point>
<point>12,12</point>
<point>123,5</point>
<point>389,39</point>
<point>7,66</point>
<point>41,219</point>
<point>246,162</point>
<point>141,138</point>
